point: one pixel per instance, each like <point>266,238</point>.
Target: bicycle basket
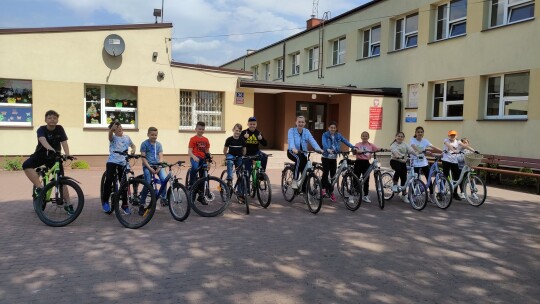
<point>473,159</point>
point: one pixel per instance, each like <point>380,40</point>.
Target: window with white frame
<point>104,104</point>
<point>372,42</point>
<point>295,63</point>
<point>510,11</point>
<point>338,51</point>
<point>255,71</point>
<point>406,32</point>
<point>448,99</point>
<point>313,58</point>
<point>15,102</point>
<point>205,106</point>
<point>266,70</point>
<point>508,96</point>
<point>279,68</point>
<point>451,19</point>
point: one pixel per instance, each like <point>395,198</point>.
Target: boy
<point>198,148</point>
<point>152,151</point>
<point>253,138</point>
<point>116,162</point>
<point>234,146</point>
<point>51,138</point>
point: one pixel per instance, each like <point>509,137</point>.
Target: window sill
<point>101,129</point>
<point>444,119</point>
<point>508,24</point>
<point>312,71</point>
<point>335,65</point>
<point>278,79</point>
<point>205,131</point>
<point>401,50</point>
<point>5,127</point>
<point>293,75</point>
<point>411,108</point>
<point>447,39</point>
<point>503,119</point>
<point>366,58</point>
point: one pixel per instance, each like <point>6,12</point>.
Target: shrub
<point>12,164</point>
<point>525,180</point>
<point>80,164</point>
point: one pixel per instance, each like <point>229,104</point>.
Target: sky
<point>210,32</point>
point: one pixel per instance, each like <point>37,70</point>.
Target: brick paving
<point>282,254</point>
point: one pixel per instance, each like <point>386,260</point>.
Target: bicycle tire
<point>187,180</point>
<point>179,204</point>
<point>245,184</point>
<point>140,210</point>
<point>102,189</point>
<point>387,181</point>
<point>417,194</point>
<point>214,196</point>
<point>287,176</point>
<point>264,190</point>
<point>379,188</point>
<point>223,177</point>
<point>54,211</point>
<point>313,193</point>
<point>442,191</point>
<point>351,190</point>
<point>475,190</point>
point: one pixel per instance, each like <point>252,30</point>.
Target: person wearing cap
<point>253,138</point>
<point>450,161</point>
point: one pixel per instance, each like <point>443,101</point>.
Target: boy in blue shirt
<point>152,151</point>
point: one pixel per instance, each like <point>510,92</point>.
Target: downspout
<point>399,116</point>
<point>283,74</point>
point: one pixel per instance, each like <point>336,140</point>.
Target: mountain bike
<point>239,186</point>
<point>473,186</point>
<point>313,187</point>
<point>61,199</point>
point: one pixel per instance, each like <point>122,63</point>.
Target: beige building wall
<point>473,57</point>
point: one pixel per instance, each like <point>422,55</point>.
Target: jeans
<point>230,162</point>
<point>148,177</point>
<point>195,166</point>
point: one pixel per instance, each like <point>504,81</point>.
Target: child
<point>398,162</point>
<point>253,138</point>
<point>152,151</point>
<point>362,163</point>
<point>51,139</point>
<point>234,146</point>
<point>198,148</point>
<point>116,162</point>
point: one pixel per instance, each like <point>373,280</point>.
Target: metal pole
<point>162,10</point>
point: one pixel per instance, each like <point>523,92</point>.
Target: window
<point>451,19</point>
<point>313,58</point>
<point>448,99</point>
<point>508,96</point>
<point>338,51</point>
<point>295,64</point>
<point>201,106</point>
<point>15,102</point>
<point>510,11</point>
<point>372,42</point>
<point>106,103</point>
<point>255,71</point>
<point>406,32</point>
<point>279,66</point>
<point>266,69</point>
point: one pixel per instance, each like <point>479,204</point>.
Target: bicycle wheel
<point>379,188</point>
<point>475,190</point>
<point>442,191</point>
<point>59,206</point>
<point>246,195</point>
<point>351,191</point>
<point>418,194</point>
<point>187,180</point>
<point>318,170</point>
<point>387,183</point>
<point>209,196</point>
<point>264,190</point>
<point>314,193</point>
<point>287,177</point>
<point>178,198</point>
<point>131,208</point>
<point>223,177</point>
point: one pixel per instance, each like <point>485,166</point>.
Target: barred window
<point>203,106</point>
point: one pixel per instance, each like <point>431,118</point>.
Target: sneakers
<point>229,183</point>
<point>69,209</point>
<point>457,197</point>
<point>332,197</point>
<point>366,199</point>
<point>106,207</point>
<point>164,202</point>
<point>36,192</point>
<point>462,195</point>
<point>126,210</point>
<point>394,188</point>
<point>323,193</point>
<point>142,210</point>
<point>405,199</point>
<point>294,184</point>
<point>201,200</point>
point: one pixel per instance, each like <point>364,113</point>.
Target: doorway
<point>315,114</point>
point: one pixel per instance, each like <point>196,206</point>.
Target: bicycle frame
<point>374,167</point>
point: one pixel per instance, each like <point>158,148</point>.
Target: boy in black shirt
<point>253,138</point>
<point>234,146</point>
<point>51,139</point>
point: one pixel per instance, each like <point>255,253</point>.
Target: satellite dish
<point>114,45</point>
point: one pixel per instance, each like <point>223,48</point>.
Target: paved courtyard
<point>282,254</point>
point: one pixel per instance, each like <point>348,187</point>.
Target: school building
<point>470,66</point>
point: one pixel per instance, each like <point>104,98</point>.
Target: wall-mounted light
<point>422,84</point>
<point>313,96</point>
<point>154,56</point>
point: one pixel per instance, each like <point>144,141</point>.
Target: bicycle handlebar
<point>129,156</point>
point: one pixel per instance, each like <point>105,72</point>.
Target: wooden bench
<point>511,166</point>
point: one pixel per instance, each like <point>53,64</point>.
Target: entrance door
<point>315,114</point>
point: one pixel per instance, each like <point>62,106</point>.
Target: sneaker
<point>462,195</point>
<point>69,209</point>
<point>241,199</point>
<point>294,184</point>
<point>36,192</point>
<point>201,200</point>
<point>126,210</point>
<point>106,207</point>
<point>142,210</point>
<point>404,199</point>
<point>394,188</point>
<point>164,202</point>
<point>229,183</point>
<point>332,197</point>
<point>457,197</point>
<point>323,193</point>
<point>366,199</point>
<point>351,200</point>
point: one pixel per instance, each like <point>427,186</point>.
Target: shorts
<point>35,161</point>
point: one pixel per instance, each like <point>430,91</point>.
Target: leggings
<point>401,172</point>
<point>424,170</point>
<point>448,167</point>
<point>329,169</point>
<point>360,168</point>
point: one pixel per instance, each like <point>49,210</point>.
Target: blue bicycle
<point>442,190</point>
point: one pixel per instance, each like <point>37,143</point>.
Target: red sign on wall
<point>375,118</point>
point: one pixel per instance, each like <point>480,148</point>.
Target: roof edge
<point>203,67</point>
<point>84,28</point>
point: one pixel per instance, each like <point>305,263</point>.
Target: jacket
<point>294,139</point>
<point>333,144</point>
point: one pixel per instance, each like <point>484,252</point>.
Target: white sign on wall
<point>413,96</point>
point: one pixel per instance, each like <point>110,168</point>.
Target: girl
<point>362,161</point>
<point>450,161</point>
<point>420,144</point>
<point>398,162</point>
<point>331,142</point>
<point>298,139</point>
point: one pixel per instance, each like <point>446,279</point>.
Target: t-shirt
<point>54,138</point>
<point>235,145</point>
<point>252,142</point>
<point>200,145</point>
<point>151,151</point>
<point>119,144</point>
<point>363,148</point>
<point>420,160</point>
<point>449,157</point>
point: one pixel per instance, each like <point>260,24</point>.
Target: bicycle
<point>375,167</point>
<point>177,198</point>
<point>209,195</point>
<point>313,191</point>
<point>239,186</point>
<point>61,199</point>
<point>136,210</point>
<point>417,190</point>
<point>473,186</point>
<point>442,189</point>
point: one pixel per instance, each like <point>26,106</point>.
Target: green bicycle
<point>61,199</point>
